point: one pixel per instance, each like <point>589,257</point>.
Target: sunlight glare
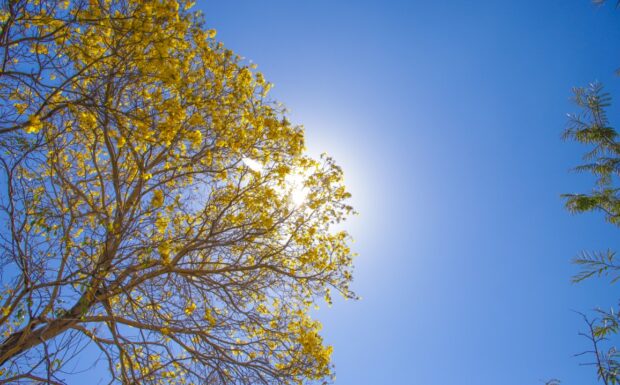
<point>252,164</point>
<point>295,184</point>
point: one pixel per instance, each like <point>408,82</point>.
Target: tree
<point>592,127</point>
<point>157,205</point>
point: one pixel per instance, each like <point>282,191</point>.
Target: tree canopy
<point>157,206</point>
<point>592,127</point>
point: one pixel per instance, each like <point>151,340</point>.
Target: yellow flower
<point>164,251</point>
<point>20,107</point>
<point>189,309</point>
<point>196,138</point>
<point>161,223</point>
<point>34,125</point>
<point>209,316</point>
<point>158,199</point>
<point>196,120</point>
<point>39,49</point>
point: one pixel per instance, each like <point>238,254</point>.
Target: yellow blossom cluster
<point>171,213</point>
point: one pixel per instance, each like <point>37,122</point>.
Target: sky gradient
<point>446,117</point>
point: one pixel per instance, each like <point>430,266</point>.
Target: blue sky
<point>446,117</point>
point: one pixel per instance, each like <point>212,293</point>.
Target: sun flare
<point>294,187</point>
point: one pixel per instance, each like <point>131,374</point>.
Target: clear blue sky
<point>446,116</point>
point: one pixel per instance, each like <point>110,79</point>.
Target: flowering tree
<point>156,205</point>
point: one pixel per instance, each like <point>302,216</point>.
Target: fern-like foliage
<point>597,264</point>
<point>592,127</point>
<point>606,358</point>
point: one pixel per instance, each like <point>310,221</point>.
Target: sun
<point>294,187</point>
<point>297,189</point>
